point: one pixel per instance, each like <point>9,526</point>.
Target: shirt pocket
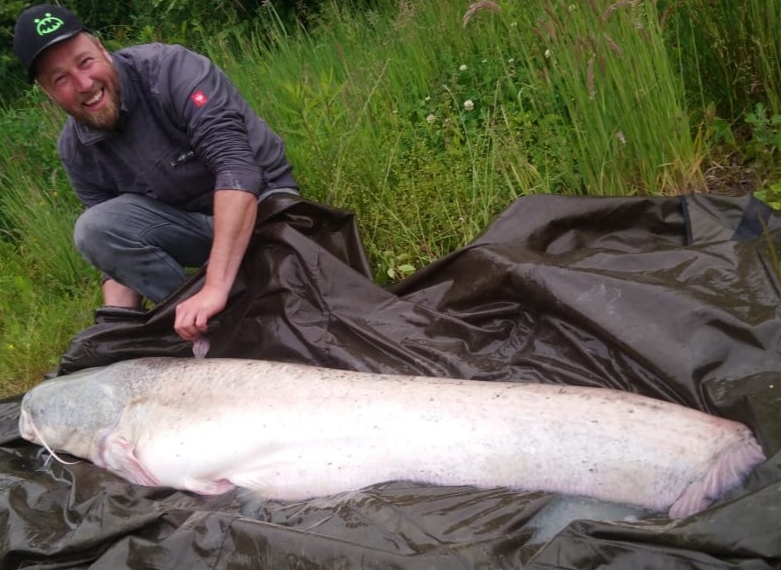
<point>180,177</point>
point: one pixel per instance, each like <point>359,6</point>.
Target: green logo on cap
<point>48,24</point>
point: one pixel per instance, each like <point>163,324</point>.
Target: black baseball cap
<point>40,27</point>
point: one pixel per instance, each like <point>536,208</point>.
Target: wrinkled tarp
<point>672,297</point>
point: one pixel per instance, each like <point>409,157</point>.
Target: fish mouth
<point>26,428</point>
<point>29,432</point>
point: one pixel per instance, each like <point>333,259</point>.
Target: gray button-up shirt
<point>186,132</point>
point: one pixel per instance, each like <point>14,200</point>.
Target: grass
<point>427,119</point>
<point>38,321</point>
<point>622,95</point>
<point>47,290</point>
<point>737,51</point>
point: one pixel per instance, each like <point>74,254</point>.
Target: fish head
<point>54,414</point>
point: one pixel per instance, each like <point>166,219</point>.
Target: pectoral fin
<point>202,487</point>
<point>119,456</point>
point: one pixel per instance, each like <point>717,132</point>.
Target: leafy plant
<point>771,195</point>
<point>765,130</point>
<point>394,267</point>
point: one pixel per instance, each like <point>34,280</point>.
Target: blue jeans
<point>144,244</point>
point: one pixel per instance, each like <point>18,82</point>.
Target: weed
<point>765,130</point>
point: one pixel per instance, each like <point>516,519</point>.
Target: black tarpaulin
<point>674,297</point>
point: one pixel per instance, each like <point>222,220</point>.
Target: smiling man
<point>168,158</point>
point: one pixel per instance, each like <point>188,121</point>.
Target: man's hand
<point>234,219</point>
<point>192,315</point>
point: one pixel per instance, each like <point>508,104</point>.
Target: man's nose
<point>83,81</point>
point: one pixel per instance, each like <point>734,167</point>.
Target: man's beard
<point>106,119</point>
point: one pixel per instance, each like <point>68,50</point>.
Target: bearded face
<point>79,75</point>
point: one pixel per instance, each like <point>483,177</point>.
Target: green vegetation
<point>427,119</point>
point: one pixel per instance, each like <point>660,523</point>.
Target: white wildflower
<point>469,104</point>
<point>548,53</point>
<point>428,98</point>
<point>431,118</point>
<point>511,60</point>
<point>462,68</point>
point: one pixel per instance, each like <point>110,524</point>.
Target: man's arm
<point>239,149</point>
<point>235,212</point>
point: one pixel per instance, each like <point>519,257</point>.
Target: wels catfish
<point>293,432</point>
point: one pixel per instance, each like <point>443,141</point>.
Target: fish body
<point>293,432</point>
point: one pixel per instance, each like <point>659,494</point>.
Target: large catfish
<point>293,432</point>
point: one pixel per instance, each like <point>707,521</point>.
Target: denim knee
<point>90,234</point>
<point>143,243</point>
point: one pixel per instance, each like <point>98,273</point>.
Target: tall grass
<point>38,320</point>
<point>426,119</point>
<point>427,140</point>
<point>37,204</point>
<point>356,125</point>
<point>621,93</point>
<point>737,48</point>
<point>47,290</point>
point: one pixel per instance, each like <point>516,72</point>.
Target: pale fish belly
<point>293,432</point>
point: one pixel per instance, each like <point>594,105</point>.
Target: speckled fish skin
<point>292,432</point>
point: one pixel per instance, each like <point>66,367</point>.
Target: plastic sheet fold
<point>672,297</point>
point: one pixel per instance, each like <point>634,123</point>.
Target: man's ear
<point>99,43</point>
<point>104,51</point>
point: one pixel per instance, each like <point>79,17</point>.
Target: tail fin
<point>729,469</point>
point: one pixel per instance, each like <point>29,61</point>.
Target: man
<point>168,158</point>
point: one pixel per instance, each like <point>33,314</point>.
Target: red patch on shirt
<point>199,98</point>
